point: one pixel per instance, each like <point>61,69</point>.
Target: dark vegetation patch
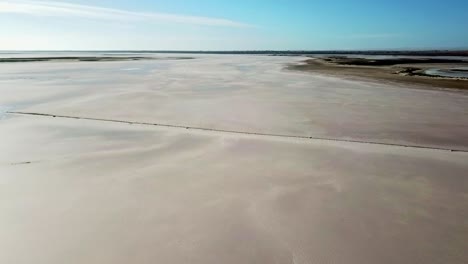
<point>459,70</point>
<point>86,59</point>
<point>391,71</point>
<point>341,60</point>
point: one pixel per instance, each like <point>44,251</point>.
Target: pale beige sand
<point>252,93</point>
<point>81,191</point>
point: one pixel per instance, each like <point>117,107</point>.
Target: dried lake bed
<point>227,158</point>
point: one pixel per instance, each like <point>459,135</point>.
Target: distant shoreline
<point>435,52</point>
<point>84,59</point>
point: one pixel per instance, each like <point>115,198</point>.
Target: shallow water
<point>452,73</point>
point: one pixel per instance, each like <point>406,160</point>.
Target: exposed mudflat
<point>227,159</point>
<point>436,72</point>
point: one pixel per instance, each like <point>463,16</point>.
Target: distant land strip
<point>87,59</point>
<point>431,52</point>
<point>238,132</point>
<point>322,52</point>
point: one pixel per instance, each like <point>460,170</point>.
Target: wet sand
<point>89,191</point>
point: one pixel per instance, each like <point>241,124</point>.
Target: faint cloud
<point>60,9</point>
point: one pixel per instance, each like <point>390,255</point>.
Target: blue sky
<point>232,25</point>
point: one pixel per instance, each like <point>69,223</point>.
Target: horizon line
<point>243,50</point>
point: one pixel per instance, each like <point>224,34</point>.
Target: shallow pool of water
<point>461,72</point>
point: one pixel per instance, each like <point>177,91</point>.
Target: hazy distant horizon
<point>252,50</point>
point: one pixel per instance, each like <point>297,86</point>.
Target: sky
<point>233,25</point>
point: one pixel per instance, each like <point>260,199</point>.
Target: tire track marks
<point>414,146</point>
